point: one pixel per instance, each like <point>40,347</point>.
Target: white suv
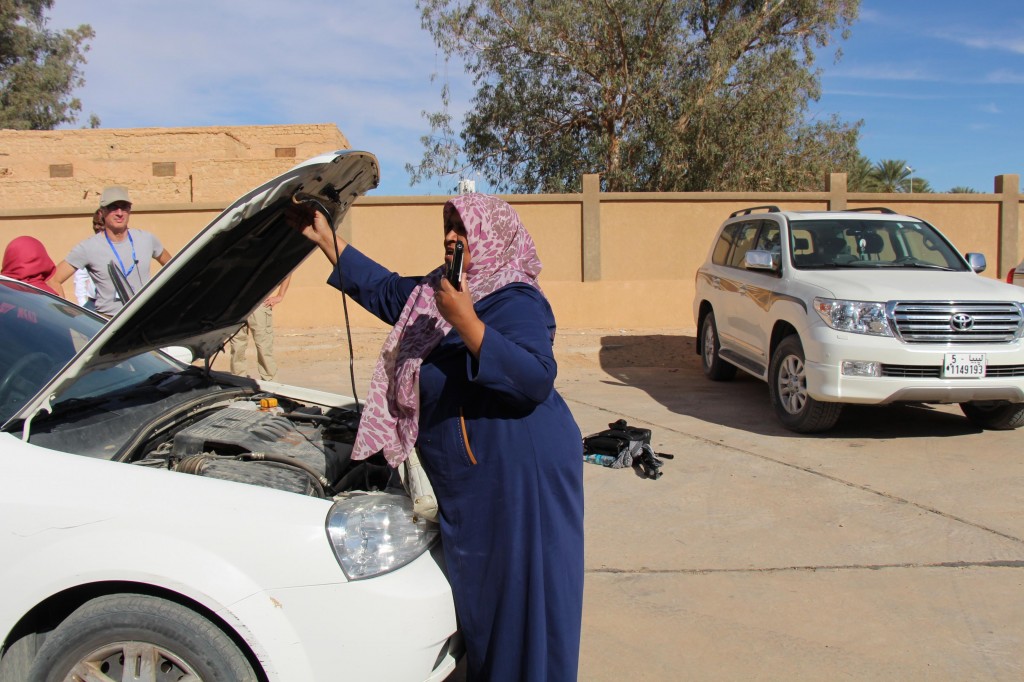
<point>864,306</point>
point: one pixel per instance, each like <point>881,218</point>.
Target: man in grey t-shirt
<point>130,251</point>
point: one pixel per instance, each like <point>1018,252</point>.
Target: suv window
<point>745,239</point>
<point>769,238</point>
<point>738,238</point>
<point>870,244</point>
<point>724,244</point>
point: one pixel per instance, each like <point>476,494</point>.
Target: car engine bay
<point>269,441</point>
<point>213,426</point>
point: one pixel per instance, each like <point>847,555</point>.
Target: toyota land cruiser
<point>862,306</point>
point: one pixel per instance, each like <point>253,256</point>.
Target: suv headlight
<point>859,317</point>
<point>375,534</point>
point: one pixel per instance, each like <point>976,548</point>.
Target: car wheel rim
<point>709,345</point>
<point>132,661</point>
<point>792,384</point>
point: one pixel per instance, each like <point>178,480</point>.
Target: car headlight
<point>374,534</point>
<point>859,317</point>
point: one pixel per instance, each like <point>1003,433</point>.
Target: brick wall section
<point>210,164</point>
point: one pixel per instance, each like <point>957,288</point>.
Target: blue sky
<point>938,83</point>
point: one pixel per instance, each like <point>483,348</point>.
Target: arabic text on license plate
<point>964,366</point>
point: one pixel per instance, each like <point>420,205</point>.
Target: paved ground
<point>890,549</point>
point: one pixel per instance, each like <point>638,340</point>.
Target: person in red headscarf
<point>26,260</point>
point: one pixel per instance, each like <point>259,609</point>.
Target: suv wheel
<point>787,387</point>
<point>996,414</point>
<point>715,368</point>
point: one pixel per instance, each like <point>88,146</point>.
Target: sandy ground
<point>890,548</point>
<point>319,358</point>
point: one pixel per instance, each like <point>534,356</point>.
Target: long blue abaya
<point>504,456</point>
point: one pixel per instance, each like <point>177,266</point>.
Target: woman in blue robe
<point>466,376</point>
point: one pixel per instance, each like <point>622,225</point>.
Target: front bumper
<point>399,626</point>
<point>917,364</point>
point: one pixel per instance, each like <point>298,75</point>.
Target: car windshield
<point>845,243</point>
<point>40,334</point>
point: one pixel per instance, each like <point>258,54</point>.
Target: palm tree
<point>891,175</point>
<point>858,177</point>
<point>921,186</point>
<point>961,189</point>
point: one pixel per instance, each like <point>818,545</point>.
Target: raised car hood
<point>207,290</point>
<point>205,293</point>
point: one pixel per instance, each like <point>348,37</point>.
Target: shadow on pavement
<point>668,369</point>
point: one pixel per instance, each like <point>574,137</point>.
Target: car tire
<point>997,415</point>
<point>18,654</point>
<point>715,368</point>
<point>787,388</point>
<point>163,639</point>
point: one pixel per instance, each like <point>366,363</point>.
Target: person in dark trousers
<point>466,376</point>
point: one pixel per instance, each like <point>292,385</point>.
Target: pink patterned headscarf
<point>502,252</point>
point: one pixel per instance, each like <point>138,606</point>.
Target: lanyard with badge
<point>135,260</point>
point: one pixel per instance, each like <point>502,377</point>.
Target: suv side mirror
<point>761,260</point>
<point>977,262</point>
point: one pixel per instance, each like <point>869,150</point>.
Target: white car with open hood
<point>161,521</point>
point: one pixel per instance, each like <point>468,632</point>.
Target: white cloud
<point>887,94</point>
<point>1005,77</point>
<point>1014,44</point>
<point>883,72</point>
<point>365,67</point>
<point>870,16</point>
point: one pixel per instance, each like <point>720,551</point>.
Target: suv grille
<point>935,371</point>
<point>957,322</point>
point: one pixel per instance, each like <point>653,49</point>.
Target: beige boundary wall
<point>611,260</point>
<point>69,168</point>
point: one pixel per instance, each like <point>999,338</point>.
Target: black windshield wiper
<point>922,264</point>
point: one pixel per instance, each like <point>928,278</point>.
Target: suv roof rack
<point>747,211</point>
<point>880,209</point>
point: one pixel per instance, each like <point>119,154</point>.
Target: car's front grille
<point>1005,371</point>
<point>957,321</point>
<point>935,371</point>
<point>911,371</point>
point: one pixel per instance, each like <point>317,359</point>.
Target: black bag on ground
<point>621,445</point>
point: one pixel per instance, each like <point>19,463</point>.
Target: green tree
<point>859,176</point>
<point>39,68</point>
<point>920,186</point>
<point>961,189</point>
<point>655,95</point>
<point>894,175</point>
<point>890,175</point>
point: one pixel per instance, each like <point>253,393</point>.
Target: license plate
<point>964,366</point>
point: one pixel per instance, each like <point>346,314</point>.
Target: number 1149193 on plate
<point>963,366</point>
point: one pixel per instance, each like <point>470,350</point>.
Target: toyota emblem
<point>961,322</point>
